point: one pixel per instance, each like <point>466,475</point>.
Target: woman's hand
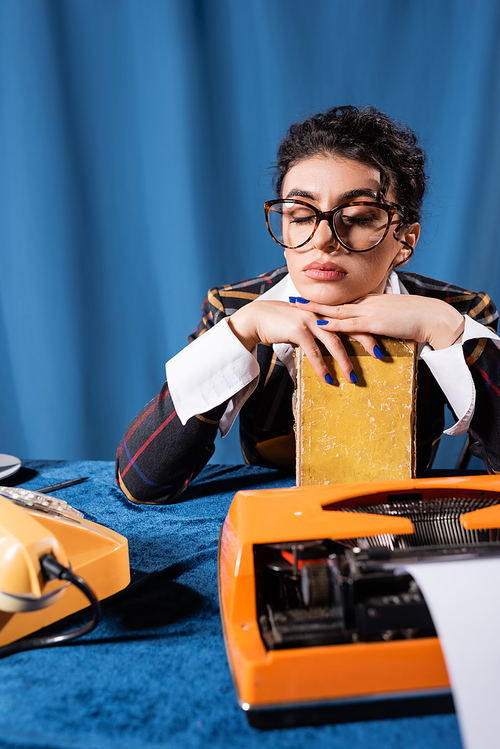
<point>419,318</point>
<point>422,319</point>
<point>281,322</point>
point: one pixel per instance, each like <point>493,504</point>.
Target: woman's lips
<point>324,272</point>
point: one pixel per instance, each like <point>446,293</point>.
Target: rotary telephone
<point>53,562</point>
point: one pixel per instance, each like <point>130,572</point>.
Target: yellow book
<point>363,432</point>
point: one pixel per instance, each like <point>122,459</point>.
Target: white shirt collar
<point>281,292</point>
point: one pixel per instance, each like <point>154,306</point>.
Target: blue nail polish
<point>292,299</point>
<point>378,352</point>
<point>301,300</point>
<point>321,322</point>
<point>329,379</point>
<point>354,377</point>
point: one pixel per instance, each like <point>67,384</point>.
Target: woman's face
<point>322,270</point>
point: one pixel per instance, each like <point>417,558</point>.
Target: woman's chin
<point>330,297</point>
<point>332,294</point>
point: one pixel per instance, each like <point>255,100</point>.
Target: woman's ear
<point>408,241</point>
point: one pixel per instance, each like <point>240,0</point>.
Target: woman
<point>350,184</point>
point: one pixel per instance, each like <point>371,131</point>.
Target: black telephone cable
<point>53,569</point>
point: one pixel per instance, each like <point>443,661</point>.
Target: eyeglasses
<point>358,226</point>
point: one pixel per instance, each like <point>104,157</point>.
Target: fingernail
<point>301,300</point>
<point>354,377</point>
<point>292,299</point>
<point>321,322</point>
<point>329,379</point>
<point>378,352</point>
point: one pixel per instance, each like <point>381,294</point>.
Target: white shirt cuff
<point>453,376</point>
<point>213,368</point>
<point>216,367</point>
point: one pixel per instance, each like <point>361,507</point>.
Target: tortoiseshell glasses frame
<point>390,209</point>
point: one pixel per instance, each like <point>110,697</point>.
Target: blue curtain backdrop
<point>136,138</point>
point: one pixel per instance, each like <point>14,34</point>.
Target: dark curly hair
<point>365,135</point>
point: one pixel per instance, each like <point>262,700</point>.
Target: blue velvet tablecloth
<point>154,673</point>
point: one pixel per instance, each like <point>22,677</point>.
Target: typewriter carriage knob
<point>316,585</point>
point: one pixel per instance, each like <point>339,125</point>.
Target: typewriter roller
<point>320,592</point>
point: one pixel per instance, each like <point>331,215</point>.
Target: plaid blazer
<point>158,456</point>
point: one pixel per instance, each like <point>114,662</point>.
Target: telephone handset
<point>52,563</point>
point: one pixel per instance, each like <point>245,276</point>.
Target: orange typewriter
<point>319,623</point>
